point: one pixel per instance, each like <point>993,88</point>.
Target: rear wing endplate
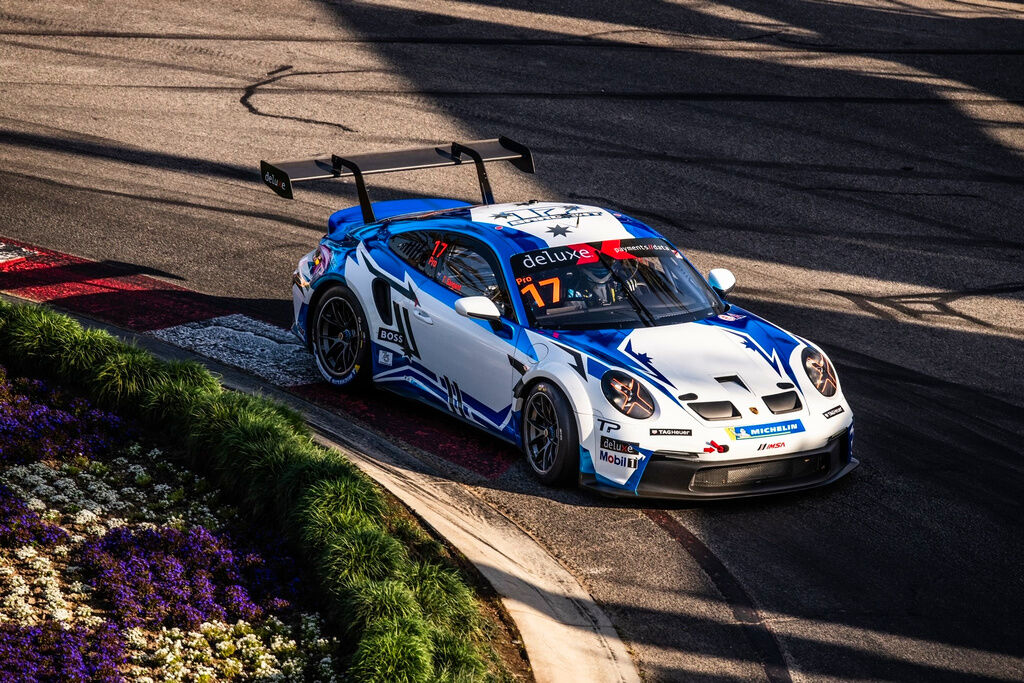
<point>280,175</point>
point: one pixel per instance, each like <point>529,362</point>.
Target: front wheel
<point>550,438</point>
<point>340,338</point>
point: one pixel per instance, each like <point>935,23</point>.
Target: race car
<point>577,333</point>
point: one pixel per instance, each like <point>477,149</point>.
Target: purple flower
<point>39,422</point>
<point>21,526</point>
<point>53,653</point>
<point>167,577</point>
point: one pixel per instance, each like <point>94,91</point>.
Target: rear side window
<point>469,269</point>
<point>418,249</point>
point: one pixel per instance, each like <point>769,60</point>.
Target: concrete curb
<point>565,633</point>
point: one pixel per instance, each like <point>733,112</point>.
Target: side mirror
<point>477,307</point>
<point>722,281</point>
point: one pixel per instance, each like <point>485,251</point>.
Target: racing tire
<point>340,339</point>
<point>551,442</point>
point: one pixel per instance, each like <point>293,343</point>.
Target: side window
<point>418,249</point>
<point>469,269</point>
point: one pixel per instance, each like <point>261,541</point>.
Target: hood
<point>703,357</point>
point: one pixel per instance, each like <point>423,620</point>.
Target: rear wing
<point>280,175</point>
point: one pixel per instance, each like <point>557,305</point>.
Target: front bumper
<point>672,477</point>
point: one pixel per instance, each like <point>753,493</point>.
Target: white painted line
<point>265,350</point>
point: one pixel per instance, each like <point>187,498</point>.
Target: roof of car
<point>519,227</point>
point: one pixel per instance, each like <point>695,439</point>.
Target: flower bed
<point>110,571</point>
<point>394,593</point>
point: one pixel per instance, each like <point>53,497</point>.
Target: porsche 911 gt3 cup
<point>575,332</point>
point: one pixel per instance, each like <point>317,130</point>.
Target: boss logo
<point>391,336</point>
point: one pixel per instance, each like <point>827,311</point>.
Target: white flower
<point>35,504</point>
<point>25,552</point>
<point>84,517</point>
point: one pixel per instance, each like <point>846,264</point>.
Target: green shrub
<point>167,406</point>
<point>456,659</point>
<point>444,597</point>
<point>33,337</point>
<point>193,375</point>
<point>362,553</point>
<point>373,601</point>
<point>393,651</point>
<point>123,377</point>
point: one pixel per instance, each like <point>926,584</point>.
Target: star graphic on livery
<point>646,361</point>
<point>559,230</point>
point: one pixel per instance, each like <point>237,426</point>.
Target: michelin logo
<point>765,430</point>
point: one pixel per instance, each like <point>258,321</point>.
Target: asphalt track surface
<point>859,165</point>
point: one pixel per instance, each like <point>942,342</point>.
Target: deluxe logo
<point>832,412</point>
<point>765,430</point>
<point>626,447</point>
<point>655,431</point>
<point>560,255</point>
<point>391,336</point>
<point>619,460</point>
<point>770,446</point>
<point>271,179</point>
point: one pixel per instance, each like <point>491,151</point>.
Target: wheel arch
<point>319,289</point>
<point>572,387</point>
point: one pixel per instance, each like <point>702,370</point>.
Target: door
<point>470,357</point>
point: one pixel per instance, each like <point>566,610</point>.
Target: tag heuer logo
<point>832,412</point>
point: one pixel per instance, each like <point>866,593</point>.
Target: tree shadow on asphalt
<point>836,171</point>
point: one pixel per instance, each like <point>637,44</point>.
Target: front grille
<point>756,474</point>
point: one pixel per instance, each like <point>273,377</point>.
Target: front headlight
<point>820,371</point>
<point>627,394</point>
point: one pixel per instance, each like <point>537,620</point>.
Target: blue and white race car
<point>575,332</point>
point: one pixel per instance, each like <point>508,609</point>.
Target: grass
<point>385,581</point>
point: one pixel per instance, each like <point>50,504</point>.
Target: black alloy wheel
<point>339,337</point>
<point>550,438</point>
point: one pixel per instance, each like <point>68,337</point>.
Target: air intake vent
<point>786,402</point>
<point>715,410</point>
<point>732,379</point>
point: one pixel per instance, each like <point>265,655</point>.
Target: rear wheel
<point>340,338</point>
<point>550,438</point>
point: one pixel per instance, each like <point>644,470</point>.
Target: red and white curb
<point>10,253</point>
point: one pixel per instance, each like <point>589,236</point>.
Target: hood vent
<point>715,410</point>
<point>786,402</point>
<point>732,379</point>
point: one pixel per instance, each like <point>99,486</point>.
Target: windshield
<point>613,284</point>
